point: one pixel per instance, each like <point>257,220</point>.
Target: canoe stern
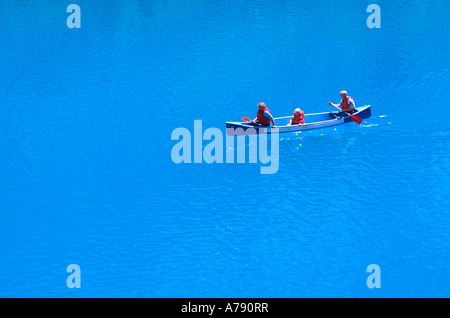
<point>363,112</point>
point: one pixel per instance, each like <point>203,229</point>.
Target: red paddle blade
<point>356,119</point>
<point>246,119</point>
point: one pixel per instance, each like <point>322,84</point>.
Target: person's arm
<point>335,105</point>
<point>269,115</point>
<point>351,103</point>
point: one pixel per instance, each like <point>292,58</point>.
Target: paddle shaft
<point>248,119</point>
<point>355,118</point>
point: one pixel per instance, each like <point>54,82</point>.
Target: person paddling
<point>263,117</point>
<point>347,103</point>
<point>299,117</point>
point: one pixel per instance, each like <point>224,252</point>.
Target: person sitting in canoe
<point>347,103</point>
<point>299,117</point>
<point>263,116</point>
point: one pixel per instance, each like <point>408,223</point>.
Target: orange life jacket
<point>299,119</point>
<point>344,103</point>
<point>263,119</point>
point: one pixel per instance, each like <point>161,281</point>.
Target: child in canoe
<point>299,117</point>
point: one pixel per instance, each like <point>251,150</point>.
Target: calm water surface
<point>86,175</point>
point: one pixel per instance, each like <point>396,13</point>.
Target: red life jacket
<point>299,119</point>
<point>263,119</point>
<point>344,103</point>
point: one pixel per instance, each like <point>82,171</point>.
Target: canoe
<point>312,121</point>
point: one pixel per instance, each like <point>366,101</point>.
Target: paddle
<point>355,118</point>
<point>246,119</point>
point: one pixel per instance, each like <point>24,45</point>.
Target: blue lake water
<point>87,178</point>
